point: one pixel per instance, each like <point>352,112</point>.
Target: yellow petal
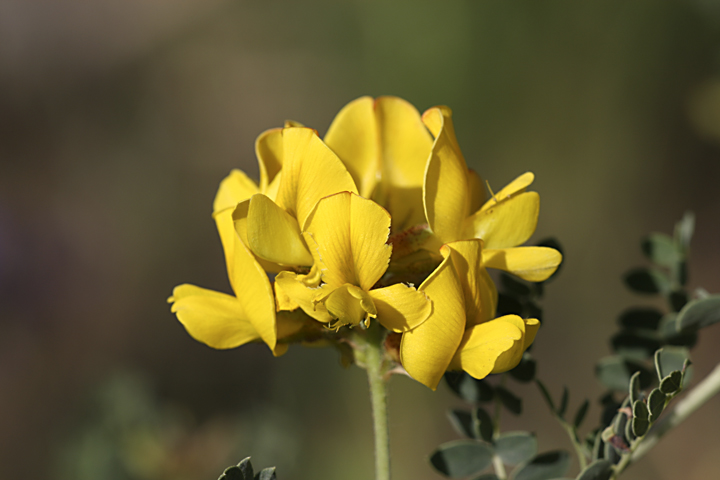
<point>224,223</point>
<point>234,188</point>
<point>272,190</point>
<point>353,136</point>
<point>347,235</point>
<point>280,349</point>
<point>274,235</point>
<point>445,190</point>
<point>479,290</point>
<point>269,152</point>
<point>293,287</point>
<point>506,224</point>
<point>534,264</point>
<point>477,190</point>
<point>401,308</point>
<point>532,325</point>
<point>491,347</point>
<point>213,318</point>
<point>513,188</point>
<point>283,301</point>
<point>311,171</point>
<point>350,305</point>
<point>426,351</point>
<point>239,219</point>
<point>405,146</point>
<point>254,292</point>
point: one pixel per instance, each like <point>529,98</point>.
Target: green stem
<point>373,360</point>
<point>579,450</point>
<point>696,398</point>
<point>497,461</point>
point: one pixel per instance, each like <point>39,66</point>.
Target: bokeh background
<point>118,119</point>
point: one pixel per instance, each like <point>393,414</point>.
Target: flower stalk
<point>370,355</point>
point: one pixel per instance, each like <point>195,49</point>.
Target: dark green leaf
<point>598,470</point>
<point>514,286</point>
<point>484,426</point>
<point>610,453</point>
<point>661,250</point>
<point>462,422</point>
<point>615,372</point>
<point>516,447</point>
<point>684,230</point>
<point>636,344</point>
<point>545,394</point>
<point>640,318</point>
<point>699,313</point>
<point>563,403</point>
<point>509,400</point>
<point>678,299</point>
<point>545,466</point>
<point>634,389</point>
<point>508,305</point>
<point>619,423</point>
<point>461,458</point>
<point>468,388</point>
<point>656,404</point>
<point>580,414</point>
<point>525,371</point>
<point>597,450</point>
<point>669,359</point>
<point>646,280</point>
<point>629,434</point>
<point>266,474</point>
<point>640,421</point>
<point>241,471</point>
<point>671,383</point>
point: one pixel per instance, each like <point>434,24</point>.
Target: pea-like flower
<point>348,237</point>
<point>335,231</point>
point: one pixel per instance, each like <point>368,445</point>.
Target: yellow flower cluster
<point>337,229</point>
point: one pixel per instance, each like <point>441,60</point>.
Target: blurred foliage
<point>128,433</point>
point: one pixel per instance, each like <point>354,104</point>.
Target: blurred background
<point>118,119</point>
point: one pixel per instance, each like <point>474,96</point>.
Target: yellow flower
<point>459,333</point>
<point>329,247</point>
<point>503,222</point>
<point>271,227</point>
<point>348,235</point>
<point>224,321</point>
<point>385,146</point>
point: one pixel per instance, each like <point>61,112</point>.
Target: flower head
<point>336,231</point>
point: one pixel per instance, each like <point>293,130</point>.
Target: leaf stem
<point>371,356</point>
<point>580,451</point>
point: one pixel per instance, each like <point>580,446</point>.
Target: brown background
<point>118,119</point>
